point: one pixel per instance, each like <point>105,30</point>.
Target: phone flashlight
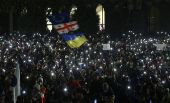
<point>24,92</point>
<point>163,82</point>
<point>65,89</point>
<point>95,101</point>
<point>52,74</point>
<point>144,72</point>
<point>27,77</point>
<point>115,69</point>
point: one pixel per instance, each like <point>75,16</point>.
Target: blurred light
<point>24,92</point>
<point>163,82</point>
<point>65,89</point>
<point>3,70</point>
<point>144,72</point>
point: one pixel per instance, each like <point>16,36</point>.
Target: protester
<point>8,98</point>
<point>136,68</point>
<point>107,93</point>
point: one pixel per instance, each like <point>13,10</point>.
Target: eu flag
<point>59,18</point>
<point>74,40</point>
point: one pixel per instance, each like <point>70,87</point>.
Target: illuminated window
<point>101,12</point>
<point>152,19</point>
<point>24,11</point>
<point>49,24</point>
<point>72,10</point>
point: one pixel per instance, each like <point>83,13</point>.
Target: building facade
<point>119,16</point>
<point>140,16</point>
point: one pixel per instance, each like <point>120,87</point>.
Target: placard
<point>106,46</point>
<point>160,46</point>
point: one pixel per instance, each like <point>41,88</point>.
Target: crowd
<point>132,71</point>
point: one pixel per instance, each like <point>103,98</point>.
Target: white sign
<point>66,56</point>
<point>106,46</point>
<point>160,46</point>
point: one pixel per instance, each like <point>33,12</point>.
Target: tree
<point>88,20</point>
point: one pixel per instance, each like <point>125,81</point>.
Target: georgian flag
<point>66,27</point>
<point>134,4</point>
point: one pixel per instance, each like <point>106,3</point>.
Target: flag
<point>74,40</point>
<point>59,18</point>
<point>16,89</point>
<point>134,4</point>
<point>66,27</point>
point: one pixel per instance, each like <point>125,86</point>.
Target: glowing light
<point>65,89</point>
<point>144,72</point>
<point>3,70</point>
<point>163,82</point>
<point>24,92</point>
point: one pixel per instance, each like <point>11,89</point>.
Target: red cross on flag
<point>66,27</point>
<point>134,4</point>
